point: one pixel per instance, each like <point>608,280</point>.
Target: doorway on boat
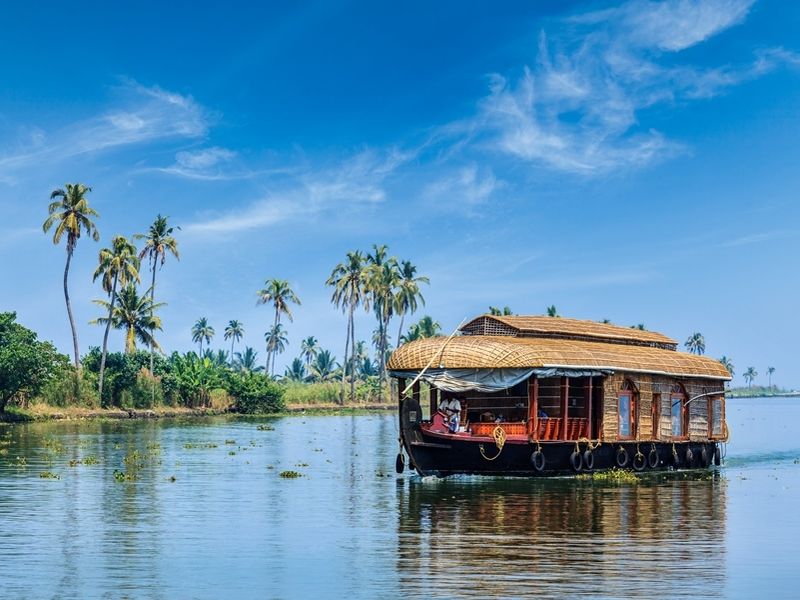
<point>568,408</point>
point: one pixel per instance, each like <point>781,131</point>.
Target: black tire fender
<point>652,458</point>
<point>400,463</point>
<point>717,456</point>
<point>576,460</point>
<point>537,460</point>
<point>621,457</point>
<point>588,460</point>
<point>676,459</point>
<point>639,462</point>
<point>704,457</point>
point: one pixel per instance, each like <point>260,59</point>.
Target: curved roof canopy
<point>507,351</point>
<point>558,327</point>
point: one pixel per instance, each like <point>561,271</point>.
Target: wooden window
<point>627,411</point>
<point>716,416</point>
<point>678,412</point>
<point>656,415</point>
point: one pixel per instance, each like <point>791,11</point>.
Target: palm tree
<point>117,265</point>
<point>234,332</point>
<point>383,277</point>
<point>324,367</point>
<point>297,371</point>
<point>202,331</point>
<point>639,326</point>
<point>408,295</point>
<point>278,293</point>
<point>770,371</point>
<point>71,215</point>
<point>750,375</point>
<point>552,311</point>
<point>158,241</point>
<point>247,361</point>
<point>348,281</point>
<point>727,363</point>
<point>135,314</point>
<point>506,312</point>
<point>308,349</point>
<point>426,327</point>
<point>276,343</point>
<point>696,344</point>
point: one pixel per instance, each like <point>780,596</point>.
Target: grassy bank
<point>761,391</point>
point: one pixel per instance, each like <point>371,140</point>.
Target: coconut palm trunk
<point>105,335</point>
<point>69,309</point>
<point>152,303</point>
<point>346,350</point>
<point>271,352</point>
<point>400,330</point>
<point>352,355</point>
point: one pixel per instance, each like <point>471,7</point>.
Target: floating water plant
<point>290,474</point>
<point>301,464</point>
<point>90,460</point>
<point>613,475</point>
<point>49,475</point>
<point>232,453</point>
<point>73,463</point>
<point>230,442</point>
<point>190,445</point>
<point>265,428</point>
<point>123,476</point>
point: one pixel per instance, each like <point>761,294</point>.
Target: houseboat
<point>534,395</point>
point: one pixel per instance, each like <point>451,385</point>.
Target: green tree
<point>426,327</point>
<point>552,311</point>
<point>279,293</point>
<point>408,295</point>
<point>247,361</point>
<point>26,364</point>
<point>696,343</point>
<point>727,363</point>
<point>133,313</point>
<point>383,277</point>
<point>296,371</point>
<point>308,349</point>
<point>770,371</point>
<point>276,343</point>
<point>116,265</point>
<point>202,331</point>
<point>234,332</point>
<point>158,242</point>
<point>750,375</point>
<point>71,214</point>
<point>639,326</point>
<point>349,282</point>
<point>324,367</point>
<point>506,312</point>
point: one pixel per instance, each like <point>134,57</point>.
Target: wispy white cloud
<point>139,115</point>
<point>357,181</point>
<point>464,188</point>
<point>577,108</point>
<point>756,238</point>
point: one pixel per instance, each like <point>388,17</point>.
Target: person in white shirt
<point>452,409</point>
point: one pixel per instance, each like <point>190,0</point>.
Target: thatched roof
<point>561,328</point>
<point>503,351</point>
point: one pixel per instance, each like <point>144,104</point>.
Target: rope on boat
<point>499,435</point>
<point>589,445</point>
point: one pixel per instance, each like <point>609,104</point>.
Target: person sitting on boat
<point>452,410</point>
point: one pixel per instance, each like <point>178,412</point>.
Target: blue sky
<point>633,161</point>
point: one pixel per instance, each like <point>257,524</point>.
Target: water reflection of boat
<point>542,395</point>
<point>563,538</point>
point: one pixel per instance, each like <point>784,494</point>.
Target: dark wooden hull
<point>443,455</point>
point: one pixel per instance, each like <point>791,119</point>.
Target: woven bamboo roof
<point>488,352</point>
<point>541,326</point>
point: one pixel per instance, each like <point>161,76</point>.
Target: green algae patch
<point>49,475</point>
<point>290,474</point>
<point>612,476</point>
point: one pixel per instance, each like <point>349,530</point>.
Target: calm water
<point>229,526</point>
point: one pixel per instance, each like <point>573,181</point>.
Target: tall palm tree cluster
<point>70,215</point>
<point>374,281</point>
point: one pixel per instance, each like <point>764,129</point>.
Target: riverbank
<point>44,412</point>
